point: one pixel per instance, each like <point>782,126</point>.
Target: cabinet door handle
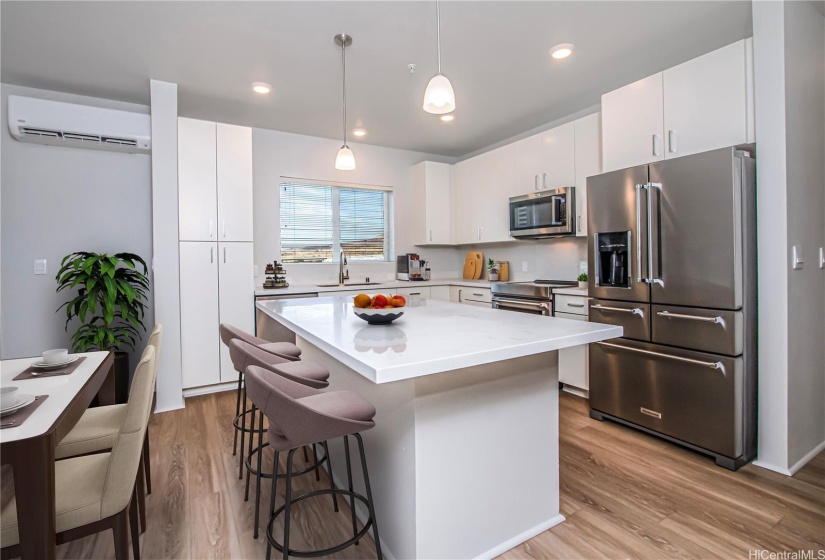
<point>478,294</point>
<point>544,180</point>
<point>210,228</point>
<point>211,254</point>
<point>224,255</point>
<point>575,305</point>
<point>478,234</point>
<point>656,145</point>
<point>415,293</point>
<point>671,141</point>
<point>480,237</point>
<point>579,223</point>
<point>431,235</point>
<point>224,228</point>
<point>536,185</point>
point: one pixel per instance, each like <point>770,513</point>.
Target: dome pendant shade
<point>439,97</point>
<point>345,160</point>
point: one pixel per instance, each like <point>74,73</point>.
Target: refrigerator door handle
<point>634,311</point>
<point>654,257</point>
<point>669,315</point>
<point>639,269</point>
<point>711,365</point>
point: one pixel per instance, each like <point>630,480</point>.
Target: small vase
<point>583,284</point>
<point>494,277</point>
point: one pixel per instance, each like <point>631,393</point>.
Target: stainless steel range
<point>534,297</point>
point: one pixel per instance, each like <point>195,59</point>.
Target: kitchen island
<point>464,456</point>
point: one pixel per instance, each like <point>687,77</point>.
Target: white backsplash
<point>549,259</point>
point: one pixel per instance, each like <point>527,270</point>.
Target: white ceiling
<point>495,53</point>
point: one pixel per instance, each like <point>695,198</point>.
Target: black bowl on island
<point>377,316</point>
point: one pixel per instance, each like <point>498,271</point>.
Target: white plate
<point>22,400</point>
<point>40,364</point>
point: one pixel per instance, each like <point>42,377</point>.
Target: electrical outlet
<point>40,266</point>
<point>524,267</point>
<point>582,267</point>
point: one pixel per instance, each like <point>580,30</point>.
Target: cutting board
<point>504,271</point>
<point>473,265</point>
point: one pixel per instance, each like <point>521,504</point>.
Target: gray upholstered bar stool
<point>280,351</point>
<point>299,415</point>
<point>306,373</point>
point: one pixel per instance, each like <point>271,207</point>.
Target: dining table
<point>29,449</point>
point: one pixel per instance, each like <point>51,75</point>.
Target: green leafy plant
<point>491,265</point>
<point>582,277</point>
<point>110,300</point>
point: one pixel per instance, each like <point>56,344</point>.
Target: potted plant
<point>582,280</point>
<point>492,270</point>
<point>110,304</point>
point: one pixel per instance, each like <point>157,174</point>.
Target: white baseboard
<point>523,537</point>
<point>177,406</point>
<point>808,456</point>
<point>583,393</point>
<point>771,467</point>
<point>218,388</point>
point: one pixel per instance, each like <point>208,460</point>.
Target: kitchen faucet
<point>342,260</point>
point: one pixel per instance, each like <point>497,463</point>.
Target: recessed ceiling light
<point>359,132</point>
<point>261,87</point>
<point>447,118</point>
<point>562,51</point>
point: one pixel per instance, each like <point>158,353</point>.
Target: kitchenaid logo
<point>651,413</point>
<point>786,555</point>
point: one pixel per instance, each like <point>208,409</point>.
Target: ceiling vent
<point>80,126</point>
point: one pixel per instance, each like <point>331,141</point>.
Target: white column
<point>165,262</point>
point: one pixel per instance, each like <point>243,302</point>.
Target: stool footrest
<point>252,470</point>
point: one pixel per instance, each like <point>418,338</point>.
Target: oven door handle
<point>522,304</point>
<point>712,365</point>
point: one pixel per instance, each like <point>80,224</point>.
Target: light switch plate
<point>582,267</point>
<point>797,261</point>
<point>40,266</point>
<point>524,267</point>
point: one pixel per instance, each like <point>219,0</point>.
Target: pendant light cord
<point>438,31</point>
<point>344,88</point>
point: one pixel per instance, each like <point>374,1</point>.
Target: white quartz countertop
<point>372,288</point>
<point>431,337</point>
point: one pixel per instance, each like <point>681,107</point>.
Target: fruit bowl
<point>377,316</point>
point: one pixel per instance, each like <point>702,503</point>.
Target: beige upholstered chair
<point>96,492</point>
<point>98,428</point>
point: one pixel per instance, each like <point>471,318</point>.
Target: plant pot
<point>583,284</point>
<point>493,276</point>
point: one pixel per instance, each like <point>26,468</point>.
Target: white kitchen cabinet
<point>527,165</point>
<point>199,314</point>
<point>557,157</point>
<point>440,293</point>
<point>465,223</point>
<point>633,124</point>
<point>705,102</point>
<point>573,362</point>
<point>234,182</point>
<point>235,295</point>
<point>588,162</point>
<point>414,294</point>
<point>493,199</point>
<point>482,297</point>
<point>431,218</point>
<point>197,181</point>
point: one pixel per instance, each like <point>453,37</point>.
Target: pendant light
<point>345,160</point>
<point>439,97</point>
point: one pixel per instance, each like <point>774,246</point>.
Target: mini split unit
<point>78,126</point>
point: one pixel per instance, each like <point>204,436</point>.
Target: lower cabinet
<point>424,292</point>
<point>441,293</point>
<point>573,362</point>
<point>481,297</point>
<point>216,285</point>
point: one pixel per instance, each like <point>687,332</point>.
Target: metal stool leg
<point>349,487</point>
<point>141,497</point>
<point>288,501</point>
<point>329,466</point>
<point>258,475</point>
<point>237,412</point>
<point>147,463</point>
<point>243,431</point>
<point>251,449</point>
<point>369,496</point>
<point>306,457</point>
<point>272,490</point>
<point>317,466</point>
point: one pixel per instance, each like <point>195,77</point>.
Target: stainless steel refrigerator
<point>672,259</point>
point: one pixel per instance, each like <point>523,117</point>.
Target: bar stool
<point>299,415</point>
<point>306,373</point>
<point>280,352</point>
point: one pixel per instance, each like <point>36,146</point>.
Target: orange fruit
<point>361,301</point>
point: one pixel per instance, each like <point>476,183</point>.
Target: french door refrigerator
<point>672,256</point>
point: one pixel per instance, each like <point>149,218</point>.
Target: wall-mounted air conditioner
<point>78,126</point>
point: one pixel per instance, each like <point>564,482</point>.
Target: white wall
<point>57,200</point>
<point>789,57</point>
<point>280,154</point>
<point>548,259</point>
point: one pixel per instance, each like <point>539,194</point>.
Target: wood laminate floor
<point>625,495</point>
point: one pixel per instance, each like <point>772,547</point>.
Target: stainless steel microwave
<point>549,213</point>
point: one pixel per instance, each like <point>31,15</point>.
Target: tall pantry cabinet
<point>215,233</point>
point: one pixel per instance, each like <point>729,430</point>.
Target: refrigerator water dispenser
<point>613,259</point>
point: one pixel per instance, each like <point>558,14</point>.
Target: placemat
<point>29,372</point>
<point>15,419</point>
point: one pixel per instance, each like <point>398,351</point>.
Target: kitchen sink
<point>348,285</point>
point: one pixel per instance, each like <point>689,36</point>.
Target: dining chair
<point>97,492</point>
<point>98,428</point>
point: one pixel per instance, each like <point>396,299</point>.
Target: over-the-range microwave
<point>549,213</point>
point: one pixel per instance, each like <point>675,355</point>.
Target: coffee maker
<point>408,267</point>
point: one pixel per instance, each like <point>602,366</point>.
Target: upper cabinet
<point>526,156</point>
<point>432,204</point>
<point>703,104</point>
<point>633,124</point>
<point>214,181</point>
<point>588,162</point>
<point>557,166</point>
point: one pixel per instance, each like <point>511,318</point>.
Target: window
<point>318,220</point>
